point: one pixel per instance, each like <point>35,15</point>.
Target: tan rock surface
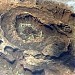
<point>38,38</point>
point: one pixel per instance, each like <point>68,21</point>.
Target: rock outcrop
<point>36,38</point>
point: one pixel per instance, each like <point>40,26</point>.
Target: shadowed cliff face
<point>37,40</point>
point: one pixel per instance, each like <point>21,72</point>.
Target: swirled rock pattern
<point>37,39</point>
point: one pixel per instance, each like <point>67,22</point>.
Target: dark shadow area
<point>26,69</point>
<point>73,14</point>
<point>38,72</point>
<point>1,41</point>
<point>11,62</point>
<point>8,48</point>
<point>50,26</point>
<point>67,59</point>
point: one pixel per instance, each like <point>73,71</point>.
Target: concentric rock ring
<point>8,22</point>
<point>9,18</point>
<point>40,34</point>
<point>12,30</point>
